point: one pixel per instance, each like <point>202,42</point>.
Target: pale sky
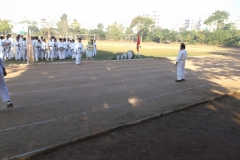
<point>92,12</point>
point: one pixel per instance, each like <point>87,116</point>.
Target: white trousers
<point>61,54</point>
<point>50,53</point>
<point>1,52</point>
<point>7,53</point>
<point>78,58</point>
<point>180,70</point>
<point>43,54</point>
<point>35,53</point>
<point>18,54</point>
<point>3,88</point>
<point>24,53</point>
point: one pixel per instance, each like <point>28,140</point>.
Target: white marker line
<point>86,85</point>
<point>100,108</point>
<point>27,125</point>
<point>112,67</point>
<point>80,73</point>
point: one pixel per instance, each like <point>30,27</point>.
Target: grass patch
<point>148,50</point>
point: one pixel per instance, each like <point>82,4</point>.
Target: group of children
<point>53,49</point>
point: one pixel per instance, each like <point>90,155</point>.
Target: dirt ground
<point>55,104</point>
<point>207,131</point>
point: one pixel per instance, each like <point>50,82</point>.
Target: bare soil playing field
<point>208,131</point>
<point>55,104</point>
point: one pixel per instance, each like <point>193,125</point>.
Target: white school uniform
<point>182,55</point>
<point>18,50</point>
<point>43,50</point>
<point>1,48</point>
<point>24,50</point>
<point>7,48</point>
<point>61,50</point>
<point>65,46</point>
<point>3,87</point>
<point>78,50</point>
<point>50,50</point>
<point>72,47</point>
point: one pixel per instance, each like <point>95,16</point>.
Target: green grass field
<point>107,49</point>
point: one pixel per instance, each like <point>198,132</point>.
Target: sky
<point>90,13</point>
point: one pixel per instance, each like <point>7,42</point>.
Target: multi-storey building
<point>155,17</point>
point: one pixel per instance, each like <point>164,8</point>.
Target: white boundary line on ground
<point>86,77</point>
<point>105,67</point>
<point>38,151</point>
<point>84,85</point>
<point>112,106</point>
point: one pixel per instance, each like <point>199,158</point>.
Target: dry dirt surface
<point>59,103</point>
<point>207,131</point>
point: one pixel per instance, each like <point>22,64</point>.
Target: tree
<point>47,27</point>
<point>75,27</point>
<point>100,26</point>
<point>34,30</point>
<point>99,33</point>
<point>63,26</point>
<point>143,25</point>
<point>217,18</point>
<point>5,27</point>
<point>115,31</point>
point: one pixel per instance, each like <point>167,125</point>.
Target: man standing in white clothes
<point>60,49</point>
<point>24,49</point>
<point>7,47</point>
<point>65,46</point>
<point>44,49</point>
<point>50,49</point>
<point>18,49</point>
<point>35,49</point>
<point>1,47</point>
<point>10,54</point>
<point>180,63</point>
<point>3,88</point>
<point>78,49</point>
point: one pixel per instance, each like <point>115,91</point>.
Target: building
<point>189,24</point>
<point>155,17</point>
<point>237,22</point>
<point>20,28</point>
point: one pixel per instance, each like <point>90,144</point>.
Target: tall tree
<point>143,25</point>
<point>100,26</point>
<point>75,27</point>
<point>5,26</point>
<point>115,31</point>
<point>217,18</point>
<point>63,26</point>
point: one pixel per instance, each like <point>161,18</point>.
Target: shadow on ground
<point>75,111</point>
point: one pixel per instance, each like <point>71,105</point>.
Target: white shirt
<point>182,55</point>
<point>18,45</point>
<point>35,43</point>
<point>78,47</point>
<point>60,44</point>
<point>72,46</point>
<point>50,44</point>
<point>65,45</point>
<point>7,41</point>
<point>24,44</point>
<point>44,46</point>
<point>11,39</point>
<point>1,43</point>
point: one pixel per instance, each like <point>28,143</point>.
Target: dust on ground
<point>207,131</point>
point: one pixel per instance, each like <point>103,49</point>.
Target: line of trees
<point>225,33</point>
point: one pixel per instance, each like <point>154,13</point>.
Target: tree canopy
<point>5,27</point>
<point>217,18</point>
